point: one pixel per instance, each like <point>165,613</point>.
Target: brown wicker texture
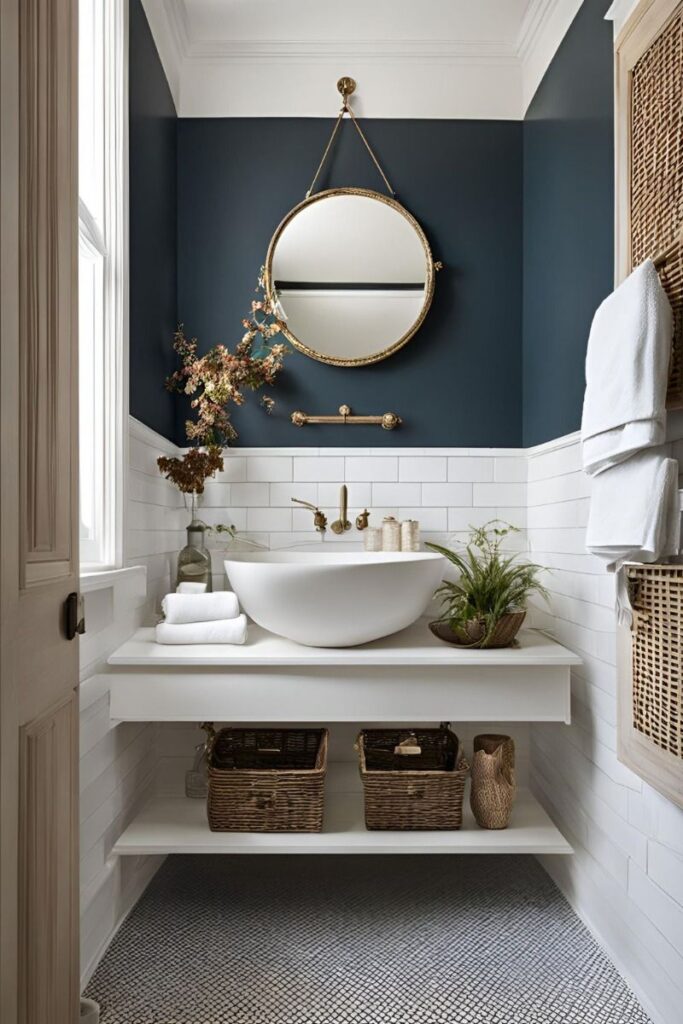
<point>656,203</point>
<point>267,780</point>
<point>493,780</point>
<point>657,644</point>
<point>412,791</point>
<point>503,634</point>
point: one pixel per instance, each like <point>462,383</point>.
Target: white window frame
<point>112,244</point>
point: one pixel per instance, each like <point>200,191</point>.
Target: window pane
<point>91,403</point>
<point>91,107</point>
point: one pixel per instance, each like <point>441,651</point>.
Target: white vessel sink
<point>335,599</point>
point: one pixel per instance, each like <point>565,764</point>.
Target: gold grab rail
<point>388,420</point>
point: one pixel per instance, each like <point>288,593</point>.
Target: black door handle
<point>72,623</point>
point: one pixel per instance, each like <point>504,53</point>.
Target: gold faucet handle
<point>362,520</point>
<point>319,518</point>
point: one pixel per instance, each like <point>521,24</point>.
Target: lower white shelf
<point>178,825</point>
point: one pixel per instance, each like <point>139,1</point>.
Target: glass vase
<point>194,561</point>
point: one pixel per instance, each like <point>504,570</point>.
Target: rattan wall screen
<point>656,172</point>
<point>657,654</point>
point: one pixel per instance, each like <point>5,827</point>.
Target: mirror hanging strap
<point>346,109</point>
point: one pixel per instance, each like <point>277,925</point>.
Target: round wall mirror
<point>352,273</point>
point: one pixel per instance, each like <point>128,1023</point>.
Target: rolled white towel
<point>190,588</point>
<point>184,608</point>
<point>225,631</point>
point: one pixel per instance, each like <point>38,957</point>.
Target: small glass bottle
<point>194,561</point>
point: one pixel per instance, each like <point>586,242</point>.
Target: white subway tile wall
<point>118,762</point>
<point>156,513</point>
<point>625,877</point>
<point>255,492</point>
<point>117,765</point>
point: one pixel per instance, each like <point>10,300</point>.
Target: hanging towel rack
<point>662,257</point>
<point>388,421</point>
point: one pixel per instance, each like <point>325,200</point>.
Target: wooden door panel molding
<point>48,889</point>
<point>39,967</point>
<point>47,324</point>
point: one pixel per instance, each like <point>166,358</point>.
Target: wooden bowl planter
<point>474,632</point>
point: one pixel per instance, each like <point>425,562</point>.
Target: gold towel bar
<point>388,421</point>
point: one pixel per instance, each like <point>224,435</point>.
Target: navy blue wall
<point>153,249</point>
<point>521,214</point>
<point>568,222</point>
<point>458,381</point>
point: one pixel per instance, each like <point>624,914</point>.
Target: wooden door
<point>38,512</point>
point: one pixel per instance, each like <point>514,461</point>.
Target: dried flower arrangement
<point>216,379</point>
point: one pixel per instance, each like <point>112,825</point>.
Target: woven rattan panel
<point>657,172</point>
<point>657,598</point>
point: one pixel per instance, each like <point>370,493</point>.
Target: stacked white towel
<point>183,608</point>
<point>634,514</point>
<point>191,588</point>
<point>221,631</point>
<point>193,617</point>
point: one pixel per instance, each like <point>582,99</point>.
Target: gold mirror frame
<point>429,283</point>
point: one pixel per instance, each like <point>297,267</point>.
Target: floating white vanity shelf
<point>408,677</point>
<point>178,825</point>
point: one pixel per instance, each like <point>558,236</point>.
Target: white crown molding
<point>449,78</point>
<point>167,23</point>
<point>544,27</point>
<point>399,50</point>
<point>619,13</point>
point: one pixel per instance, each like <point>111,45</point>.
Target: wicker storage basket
<point>412,779</point>
<point>266,780</point>
<point>656,593</point>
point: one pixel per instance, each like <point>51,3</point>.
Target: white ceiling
<point>411,58</point>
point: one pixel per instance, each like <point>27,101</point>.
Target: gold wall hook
<point>346,86</point>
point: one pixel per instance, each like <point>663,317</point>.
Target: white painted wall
<point>626,876</point>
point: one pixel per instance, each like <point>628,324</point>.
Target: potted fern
<point>486,605</point>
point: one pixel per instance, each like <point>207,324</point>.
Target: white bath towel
<point>183,608</point>
<point>634,511</point>
<point>225,631</point>
<point>627,366</point>
<point>190,588</point>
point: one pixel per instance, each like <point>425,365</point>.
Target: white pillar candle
<point>391,534</point>
<point>372,538</point>
<point>410,535</point>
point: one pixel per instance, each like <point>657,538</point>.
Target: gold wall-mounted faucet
<point>342,524</point>
<point>319,518</point>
